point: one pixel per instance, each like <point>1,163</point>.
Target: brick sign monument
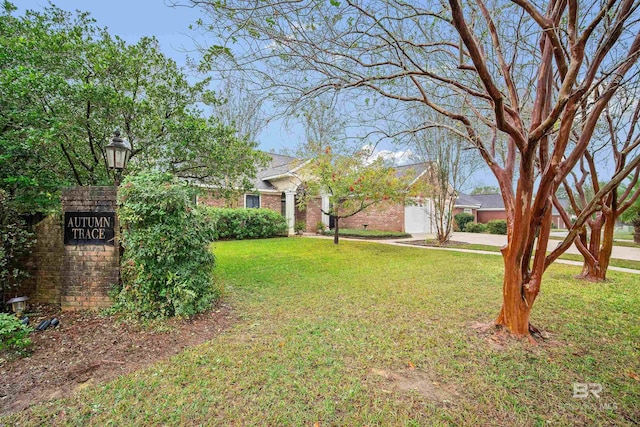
<point>91,255</point>
<point>89,228</point>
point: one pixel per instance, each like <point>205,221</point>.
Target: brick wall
<point>456,211</point>
<point>558,221</point>
<point>271,201</point>
<point>313,215</point>
<point>267,201</point>
<point>486,216</point>
<point>45,263</point>
<point>301,215</point>
<point>89,271</point>
<point>383,217</point>
<point>210,200</point>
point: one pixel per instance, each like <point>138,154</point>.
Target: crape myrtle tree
<point>66,85</point>
<point>521,69</point>
<point>352,178</point>
<point>617,140</point>
<point>451,163</point>
<point>353,183</point>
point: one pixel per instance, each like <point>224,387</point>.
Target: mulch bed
<point>87,348</point>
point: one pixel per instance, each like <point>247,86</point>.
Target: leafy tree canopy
<point>67,84</point>
<point>353,183</point>
<point>486,189</point>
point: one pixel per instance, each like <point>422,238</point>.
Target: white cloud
<point>397,158</point>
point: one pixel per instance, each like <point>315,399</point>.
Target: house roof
<point>418,168</point>
<point>492,202</point>
<point>489,201</point>
<point>564,203</point>
<point>279,165</point>
<point>467,200</point>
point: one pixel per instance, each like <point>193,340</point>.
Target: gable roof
<point>418,168</point>
<point>467,201</point>
<point>492,202</point>
<point>279,165</point>
<point>489,201</point>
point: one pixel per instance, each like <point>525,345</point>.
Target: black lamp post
<point>118,153</point>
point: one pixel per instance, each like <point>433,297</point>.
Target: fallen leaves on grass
<point>88,348</point>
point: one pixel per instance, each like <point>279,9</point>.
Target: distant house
<point>277,185</point>
<point>487,207</point>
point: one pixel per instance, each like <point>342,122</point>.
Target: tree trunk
<point>335,230</point>
<point>515,311</point>
<point>595,266</point>
<point>523,269</point>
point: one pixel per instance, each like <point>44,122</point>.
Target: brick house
<point>487,207</point>
<point>276,187</point>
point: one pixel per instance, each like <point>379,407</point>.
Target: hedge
<point>238,224</point>
<point>497,226</point>
<point>462,219</point>
<point>474,227</point>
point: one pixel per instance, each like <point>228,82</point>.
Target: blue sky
<point>133,19</point>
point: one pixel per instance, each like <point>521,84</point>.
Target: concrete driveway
<point>619,252</point>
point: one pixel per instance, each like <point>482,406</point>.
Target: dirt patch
<point>87,348</point>
<point>418,381</point>
<point>499,338</point>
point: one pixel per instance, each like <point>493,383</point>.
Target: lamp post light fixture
<point>18,305</point>
<point>118,153</point>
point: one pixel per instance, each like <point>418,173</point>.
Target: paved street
<point>619,252</point>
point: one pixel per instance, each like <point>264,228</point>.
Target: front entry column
<point>290,210</point>
<point>325,208</point>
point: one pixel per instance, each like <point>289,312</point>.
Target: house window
<point>467,210</point>
<point>252,201</point>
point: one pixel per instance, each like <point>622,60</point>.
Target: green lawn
<point>376,335</point>
<point>618,235</point>
<point>624,235</point>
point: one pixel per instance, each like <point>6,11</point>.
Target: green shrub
<point>238,224</point>
<point>167,266</point>
<point>462,219</point>
<point>474,227</point>
<point>300,227</point>
<point>14,336</point>
<point>497,226</point>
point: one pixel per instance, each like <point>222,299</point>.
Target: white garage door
<point>417,219</point>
